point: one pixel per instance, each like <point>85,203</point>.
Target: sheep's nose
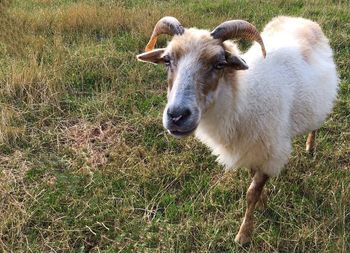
<point>178,115</point>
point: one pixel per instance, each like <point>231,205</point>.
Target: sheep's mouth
<point>180,134</point>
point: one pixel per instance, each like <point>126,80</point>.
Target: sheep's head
<point>195,60</point>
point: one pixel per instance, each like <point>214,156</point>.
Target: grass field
<point>86,166</point>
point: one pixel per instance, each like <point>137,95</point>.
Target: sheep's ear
<point>236,62</point>
<point>154,56</point>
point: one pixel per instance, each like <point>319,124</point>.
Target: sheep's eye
<point>167,61</point>
<point>220,65</point>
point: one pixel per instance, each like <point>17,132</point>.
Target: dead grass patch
<point>92,142</point>
<point>14,198</point>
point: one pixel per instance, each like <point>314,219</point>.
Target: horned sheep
<point>248,106</point>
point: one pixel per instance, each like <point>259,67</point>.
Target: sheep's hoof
<point>242,238</point>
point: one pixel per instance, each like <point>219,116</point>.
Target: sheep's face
<point>195,64</point>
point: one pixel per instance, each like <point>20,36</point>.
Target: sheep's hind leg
<point>253,196</point>
<point>310,142</point>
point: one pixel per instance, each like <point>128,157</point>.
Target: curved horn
<point>166,25</point>
<point>238,29</point>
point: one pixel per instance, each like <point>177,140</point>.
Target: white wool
<point>277,98</point>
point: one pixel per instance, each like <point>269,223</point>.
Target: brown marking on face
<point>208,75</point>
<point>204,52</point>
<point>210,81</point>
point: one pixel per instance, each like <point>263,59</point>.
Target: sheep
<point>247,107</point>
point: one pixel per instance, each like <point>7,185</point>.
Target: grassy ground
<point>85,165</point>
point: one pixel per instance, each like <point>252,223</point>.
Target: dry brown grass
<point>93,17</point>
<point>30,78</point>
<point>9,130</point>
<point>78,17</point>
<point>30,83</point>
<point>91,142</point>
<point>15,197</point>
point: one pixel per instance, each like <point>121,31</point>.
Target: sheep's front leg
<point>253,196</point>
<point>262,202</point>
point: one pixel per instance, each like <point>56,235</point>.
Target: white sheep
<point>247,111</point>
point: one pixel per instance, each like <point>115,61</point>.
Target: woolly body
<point>257,113</point>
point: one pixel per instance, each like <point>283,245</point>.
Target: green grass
<point>86,166</point>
